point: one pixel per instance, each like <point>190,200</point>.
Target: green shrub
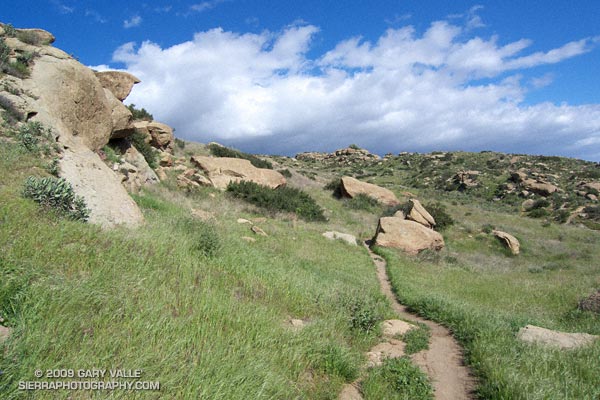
<point>138,139</point>
<point>222,151</point>
<point>57,194</point>
<point>442,219</point>
<point>538,213</point>
<point>281,199</point>
<point>336,185</point>
<point>404,207</point>
<point>354,146</point>
<point>11,114</point>
<point>362,202</point>
<point>9,30</point>
<point>35,138</point>
<point>363,312</point>
<point>416,339</point>
<point>203,237</point>
<point>140,114</point>
<point>4,52</point>
<point>285,172</point>
<point>487,228</point>
<point>53,167</point>
<point>541,203</point>
<point>111,154</point>
<point>397,378</point>
<point>180,143</point>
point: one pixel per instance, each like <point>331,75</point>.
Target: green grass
<point>205,324</point>
<point>397,379</point>
<point>416,339</point>
<point>484,296</point>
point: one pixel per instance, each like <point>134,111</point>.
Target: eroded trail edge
<point>443,362</point>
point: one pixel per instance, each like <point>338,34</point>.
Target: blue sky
<point>282,77</point>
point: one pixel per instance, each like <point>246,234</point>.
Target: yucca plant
<point>57,194</point>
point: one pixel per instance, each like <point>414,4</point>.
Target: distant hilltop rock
<point>84,109</point>
<point>348,155</point>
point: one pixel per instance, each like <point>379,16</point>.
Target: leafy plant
<point>9,30</point>
<point>416,339</point>
<point>140,114</point>
<point>222,151</point>
<point>280,199</point>
<point>285,172</point>
<point>111,155</point>
<point>363,313</point>
<point>442,219</point>
<point>138,139</point>
<point>53,167</point>
<point>57,194</point>
<point>397,378</point>
<point>354,146</point>
<point>34,138</point>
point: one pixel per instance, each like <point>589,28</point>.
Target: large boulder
<point>118,82</point>
<point>547,337</point>
<point>345,237</point>
<point>409,236</point>
<point>120,115</point>
<point>509,241</point>
<point>38,36</point>
<point>159,135</point>
<point>352,187</point>
<point>141,175</point>
<point>222,170</point>
<point>419,214</point>
<point>100,187</point>
<point>71,100</point>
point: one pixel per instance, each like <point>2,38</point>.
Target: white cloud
<point>96,16</point>
<point>205,5</point>
<point>132,22</point>
<point>403,92</point>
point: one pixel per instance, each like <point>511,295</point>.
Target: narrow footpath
<point>443,362</point>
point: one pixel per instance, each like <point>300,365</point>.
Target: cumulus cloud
<point>132,22</point>
<point>405,91</point>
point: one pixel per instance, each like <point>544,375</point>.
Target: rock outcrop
<point>547,337</point>
<point>159,135</point>
<point>222,170</point>
<point>352,187</point>
<point>118,82</point>
<point>509,241</point>
<point>70,99</point>
<point>419,214</point>
<point>346,156</point>
<point>409,236</point>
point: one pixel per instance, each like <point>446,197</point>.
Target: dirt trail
<point>443,361</point>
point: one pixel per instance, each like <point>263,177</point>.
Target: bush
<point>9,30</point>
<point>442,219</point>
<point>203,236</point>
<point>416,339</point>
<point>180,143</point>
<point>354,146</point>
<point>538,213</point>
<point>404,207</point>
<point>35,138</point>
<point>362,202</point>
<point>285,172</point>
<point>281,199</point>
<point>397,378</point>
<point>222,151</point>
<point>11,114</point>
<point>541,203</point>
<point>363,314</point>
<point>138,140</point>
<point>336,185</point>
<point>57,194</point>
<point>111,155</point>
<point>140,114</point>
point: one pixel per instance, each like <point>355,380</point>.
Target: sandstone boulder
<point>118,82</point>
<point>406,235</point>
<point>120,115</point>
<point>143,174</point>
<point>563,340</point>
<point>419,214</point>
<point>157,134</point>
<point>107,199</point>
<point>38,36</point>
<point>352,187</point>
<point>222,170</point>
<point>508,240</point>
<point>71,100</point>
<point>346,237</point>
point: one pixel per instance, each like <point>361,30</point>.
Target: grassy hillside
<point>206,312</point>
<point>192,304</point>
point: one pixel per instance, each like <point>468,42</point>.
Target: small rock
<point>346,237</point>
<point>248,239</point>
<point>508,240</point>
<point>393,327</point>
<point>390,349</point>
<point>4,333</point>
<point>563,340</point>
<point>243,221</point>
<point>258,231</point>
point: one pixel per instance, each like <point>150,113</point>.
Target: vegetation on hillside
<point>140,114</point>
<point>285,199</point>
<point>221,151</point>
